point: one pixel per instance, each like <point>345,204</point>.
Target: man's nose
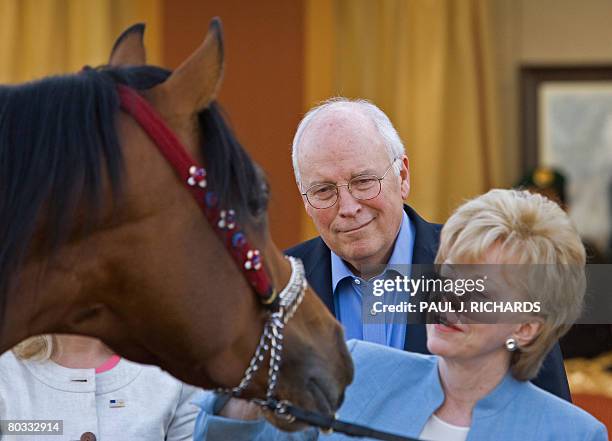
<point>347,204</point>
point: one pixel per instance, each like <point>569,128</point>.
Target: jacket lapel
<point>426,241</point>
<point>426,238</point>
<point>318,272</point>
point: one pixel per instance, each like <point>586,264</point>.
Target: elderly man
<point>353,174</point>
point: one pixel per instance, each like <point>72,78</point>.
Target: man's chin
<point>357,252</point>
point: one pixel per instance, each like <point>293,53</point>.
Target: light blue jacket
<point>397,391</point>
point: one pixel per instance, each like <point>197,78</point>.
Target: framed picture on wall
<point>566,115</point>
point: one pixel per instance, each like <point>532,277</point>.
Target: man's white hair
<point>391,140</point>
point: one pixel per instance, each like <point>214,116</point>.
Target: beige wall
<point>543,32</point>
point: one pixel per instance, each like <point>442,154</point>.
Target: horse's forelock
<point>239,182</point>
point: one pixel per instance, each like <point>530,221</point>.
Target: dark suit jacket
<point>317,261</point>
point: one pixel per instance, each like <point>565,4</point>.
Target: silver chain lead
<point>271,338</point>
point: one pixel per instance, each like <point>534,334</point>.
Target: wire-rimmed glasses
<point>362,187</point>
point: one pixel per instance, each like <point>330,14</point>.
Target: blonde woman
<point>475,387</point>
<point>96,394</point>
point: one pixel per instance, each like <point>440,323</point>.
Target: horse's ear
<point>129,49</point>
<point>194,84</point>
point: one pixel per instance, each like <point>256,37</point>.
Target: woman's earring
<point>511,344</point>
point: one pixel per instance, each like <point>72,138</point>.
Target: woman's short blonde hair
<point>39,348</point>
<point>530,229</point>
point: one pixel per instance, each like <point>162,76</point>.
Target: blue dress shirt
<point>349,289</point>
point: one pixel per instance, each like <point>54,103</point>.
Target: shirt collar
<point>400,256</point>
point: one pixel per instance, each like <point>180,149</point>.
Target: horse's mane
<point>58,139</point>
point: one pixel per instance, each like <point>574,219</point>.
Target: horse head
<point>101,238</point>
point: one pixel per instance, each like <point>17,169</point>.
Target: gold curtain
<point>43,37</point>
<point>428,65</point>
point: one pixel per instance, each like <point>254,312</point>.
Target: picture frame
<point>566,124</point>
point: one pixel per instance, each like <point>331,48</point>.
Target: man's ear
<point>129,49</point>
<point>309,208</point>
<point>405,177</point>
<point>304,200</point>
<point>527,332</point>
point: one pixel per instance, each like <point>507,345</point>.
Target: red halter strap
<point>193,176</point>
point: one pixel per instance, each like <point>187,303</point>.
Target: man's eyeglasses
<point>361,187</point>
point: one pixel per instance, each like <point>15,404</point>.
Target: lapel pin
<point>116,403</point>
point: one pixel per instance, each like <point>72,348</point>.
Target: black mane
<point>58,137</point>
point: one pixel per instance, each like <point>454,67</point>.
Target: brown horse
<point>99,237</point>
